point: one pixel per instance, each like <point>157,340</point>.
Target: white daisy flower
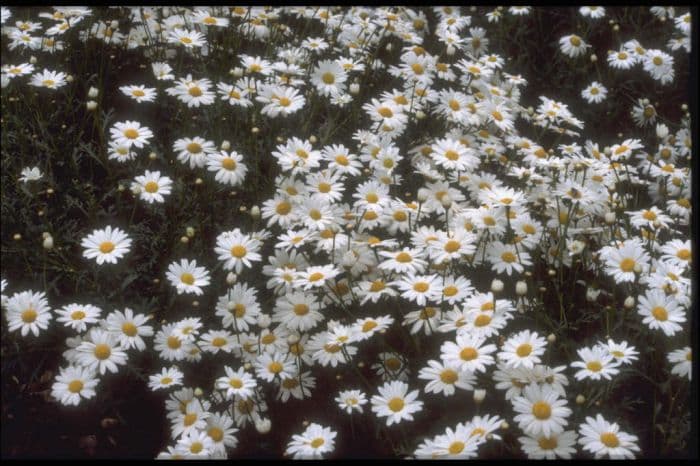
<point>186,277</point>
<point>395,402</point>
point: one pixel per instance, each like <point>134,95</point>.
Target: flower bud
<point>225,145</point>
<point>255,130</point>
<point>263,426</point>
<point>610,218</point>
<point>91,105</point>
<point>551,338</point>
<point>388,47</point>
<point>184,239</point>
<point>231,278</point>
<point>312,139</point>
<point>661,130</point>
<point>450,50</point>
<point>446,201</point>
<point>504,425</point>
<point>293,339</point>
<point>152,156</point>
<point>114,24</point>
<point>422,195</point>
<point>629,302</point>
<point>592,294</point>
<point>521,288</point>
<point>198,181</point>
<point>580,399</point>
<point>189,231</point>
<point>198,392</point>
<point>496,286</point>
<point>594,58</point>
<point>637,268</point>
<point>48,242</point>
<point>237,72</point>
<point>70,78</point>
<point>684,107</point>
<point>93,92</point>
<point>354,88</point>
<point>16,237</point>
<point>479,395</point>
<point>264,321</point>
<point>32,60</point>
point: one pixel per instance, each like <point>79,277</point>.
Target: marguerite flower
<point>151,187</point>
<point>186,277</point>
<point>74,383</point>
<point>395,402</point>
<point>602,438</point>
<point>312,443</point>
<point>130,133</point>
<point>106,245</point>
<point>228,166</point>
<point>541,411</point>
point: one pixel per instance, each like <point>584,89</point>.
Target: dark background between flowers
<point>54,131</point>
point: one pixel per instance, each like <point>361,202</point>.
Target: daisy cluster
<point>395,269</point>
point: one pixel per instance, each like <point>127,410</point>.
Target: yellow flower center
<point>166,381</point>
<point>317,442</point>
<point>594,91</point>
<point>218,342</point>
<point>393,364</point>
<point>238,251</point>
<point>185,40</point>
<point>454,105</point>
<point>235,383</point>
<point>316,276</point>
<point>194,148</point>
<point>138,93</point>
<point>497,115</point>
<point>187,278</point>
<point>228,163</point>
<point>368,326</point>
<point>482,320</point>
<point>627,264</point>
<point>275,367</point>
<point>151,187</point>
<point>421,287</point>
<point>683,254</point>
<point>48,82</point>
<point>524,350</point>
<point>194,91</point>
<point>239,310</point>
<point>400,216</point>
<point>456,447</point>
<point>268,339</point>
<point>448,376</point>
<point>216,434</point>
<point>575,40</point>
<point>468,354</point>
<point>396,404</point>
<point>427,313</point>
<point>209,20</point>
<point>129,329</point>
<point>403,257</point>
<point>330,348</point>
<point>417,68</point>
<point>173,342</point>
<point>660,313</point>
<point>609,439</point>
<point>658,61</point>
<point>385,112</point>
<point>508,257</point>
<point>75,386</point>
<point>452,246</point>
<point>131,133</point>
<point>102,351</point>
<point>77,315</point>
<point>450,290</point>
<point>541,410</point>
<point>377,285</point>
<point>196,447</point>
<point>301,309</point>
<point>547,443</point>
<point>283,208</point>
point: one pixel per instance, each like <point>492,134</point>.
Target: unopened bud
<point>93,92</point>
<point>446,201</point>
<point>189,231</point>
<point>225,145</point>
<point>70,78</point>
<point>521,288</point>
<point>450,50</point>
<point>551,338</point>
<point>231,278</point>
<point>684,107</point>
<point>420,115</point>
<point>293,339</point>
<point>422,195</point>
<point>610,218</point>
<point>255,212</point>
<point>198,181</point>
<point>637,268</point>
<point>551,272</point>
<point>580,399</point>
<point>388,47</point>
<point>91,105</point>
<point>198,392</point>
<point>32,60</point>
<point>263,426</point>
<point>354,88</point>
<point>152,156</point>
<point>255,130</point>
<point>479,395</point>
<point>237,72</point>
<point>504,425</point>
<point>184,239</point>
<point>629,302</point>
<point>264,321</point>
<point>594,58</point>
<point>313,139</point>
<point>48,242</point>
<point>616,27</point>
<point>496,286</point>
<point>592,294</point>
